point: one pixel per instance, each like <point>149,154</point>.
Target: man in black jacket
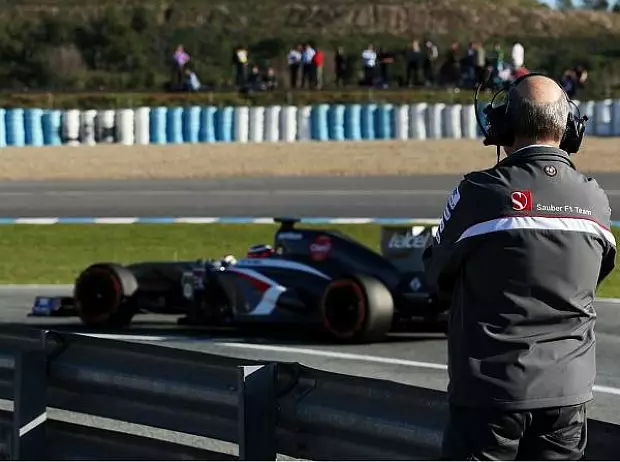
<point>519,254</point>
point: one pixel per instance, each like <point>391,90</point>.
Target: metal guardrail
<point>67,441</point>
<point>267,409</point>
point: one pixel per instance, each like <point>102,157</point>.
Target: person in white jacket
<point>518,55</point>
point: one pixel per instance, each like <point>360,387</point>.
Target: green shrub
<point>88,46</point>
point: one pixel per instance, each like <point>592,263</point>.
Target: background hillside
<point>83,45</point>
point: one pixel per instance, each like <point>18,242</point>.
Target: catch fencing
<point>210,124</point>
<point>264,408</point>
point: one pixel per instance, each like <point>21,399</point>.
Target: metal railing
<point>265,409</point>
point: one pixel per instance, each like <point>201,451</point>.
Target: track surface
<point>411,359</point>
<point>389,197</point>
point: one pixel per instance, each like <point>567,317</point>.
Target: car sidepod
<point>274,290</point>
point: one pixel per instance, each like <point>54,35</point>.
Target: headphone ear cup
<point>499,130</point>
<point>573,135</point>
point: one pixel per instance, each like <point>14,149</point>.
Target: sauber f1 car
<point>312,277</point>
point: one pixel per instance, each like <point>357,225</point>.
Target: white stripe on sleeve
<point>580,225</point>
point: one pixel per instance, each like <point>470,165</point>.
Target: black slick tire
<point>102,294</point>
<point>357,309</point>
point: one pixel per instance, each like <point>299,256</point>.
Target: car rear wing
<point>405,245</point>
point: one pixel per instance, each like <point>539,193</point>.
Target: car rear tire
<point>357,309</point>
<point>102,296</point>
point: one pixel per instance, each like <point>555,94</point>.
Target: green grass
<point>105,100</point>
<point>55,254</point>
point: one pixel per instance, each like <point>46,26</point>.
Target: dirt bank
<point>307,158</point>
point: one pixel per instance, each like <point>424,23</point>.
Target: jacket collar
<point>537,152</point>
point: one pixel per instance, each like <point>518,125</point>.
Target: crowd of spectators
<point>421,64</point>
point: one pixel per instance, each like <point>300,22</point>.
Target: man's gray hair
<point>537,121</point>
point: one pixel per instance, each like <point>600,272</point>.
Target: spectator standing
<point>180,60</point>
<point>386,60</point>
<point>369,59</point>
<point>468,65</point>
<point>569,83</point>
<point>340,66</point>
<point>582,76</point>
<point>240,65</point>
<point>318,63</point>
<point>480,63</point>
<point>518,55</point>
<point>430,56</point>
<point>294,65</point>
<point>496,63</point>
<point>451,67</point>
<point>497,57</point>
<point>307,63</point>
<point>413,57</point>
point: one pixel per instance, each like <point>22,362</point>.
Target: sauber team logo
<point>521,200</point>
<point>320,248</point>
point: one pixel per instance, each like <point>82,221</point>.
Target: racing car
<point>313,277</point>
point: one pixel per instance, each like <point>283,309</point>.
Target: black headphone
<point>499,129</point>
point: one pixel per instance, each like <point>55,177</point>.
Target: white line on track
<point>240,192</point>
<point>237,343</point>
<point>161,338</point>
<point>336,355</point>
<point>232,192</point>
<point>135,337</point>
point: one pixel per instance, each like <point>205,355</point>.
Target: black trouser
<point>306,75</point>
<point>541,434</point>
<point>429,72</point>
<point>412,73</point>
<point>294,74</point>
<point>240,78</point>
<point>340,77</point>
<point>369,76</point>
<point>384,69</point>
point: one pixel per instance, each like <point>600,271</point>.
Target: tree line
<point>130,49</point>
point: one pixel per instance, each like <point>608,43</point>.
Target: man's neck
<point>520,144</point>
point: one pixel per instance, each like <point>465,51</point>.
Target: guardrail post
<point>30,406</point>
<point>257,412</point>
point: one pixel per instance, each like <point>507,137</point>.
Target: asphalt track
<point>417,359</point>
<point>343,197</point>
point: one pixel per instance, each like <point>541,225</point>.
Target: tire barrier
<point>210,124</point>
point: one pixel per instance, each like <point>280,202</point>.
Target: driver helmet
<point>260,251</point>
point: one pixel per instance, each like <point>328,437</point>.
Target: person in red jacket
<point>520,72</point>
<point>319,61</point>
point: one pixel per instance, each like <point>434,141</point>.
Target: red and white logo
<point>320,248</point>
<point>521,200</point>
